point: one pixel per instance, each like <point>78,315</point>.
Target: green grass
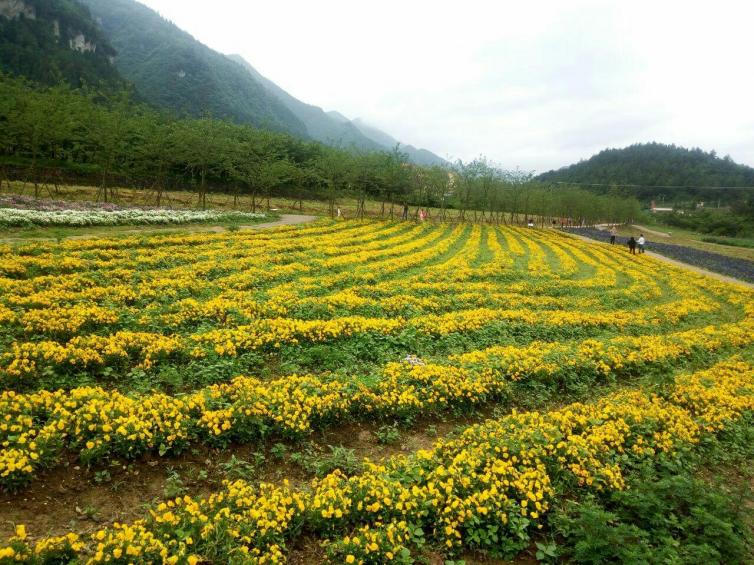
<point>732,241</point>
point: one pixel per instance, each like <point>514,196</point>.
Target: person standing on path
<point>613,233</point>
<point>632,245</point>
<point>405,211</point>
<point>641,241</point>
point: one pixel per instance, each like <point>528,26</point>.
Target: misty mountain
<point>171,69</point>
<point>115,43</point>
<point>319,124</point>
<point>418,156</point>
<point>334,128</point>
<point>335,115</point>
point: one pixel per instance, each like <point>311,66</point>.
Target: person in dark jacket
<point>632,245</point>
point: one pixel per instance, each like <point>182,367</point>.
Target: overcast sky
<point>535,85</point>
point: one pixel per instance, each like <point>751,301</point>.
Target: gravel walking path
<point>681,264</point>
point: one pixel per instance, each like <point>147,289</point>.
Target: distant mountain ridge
<point>319,124</point>
<point>418,156</point>
<point>336,129</point>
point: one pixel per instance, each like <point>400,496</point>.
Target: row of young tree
<point>61,135</point>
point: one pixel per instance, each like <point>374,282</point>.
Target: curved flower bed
<point>125,348</point>
<point>490,488</point>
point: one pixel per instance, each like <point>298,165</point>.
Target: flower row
<point>25,359</point>
<point>36,429</point>
<point>488,489</point>
<point>14,217</point>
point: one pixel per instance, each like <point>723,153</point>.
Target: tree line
<point>51,136</point>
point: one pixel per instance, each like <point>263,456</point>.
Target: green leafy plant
<point>174,486</point>
<point>546,551</point>
<point>101,477</point>
<point>665,516</point>
<point>236,468</point>
<point>388,434</point>
<point>279,451</point>
<point>319,464</point>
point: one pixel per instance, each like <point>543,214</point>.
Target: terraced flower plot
<point>137,348</point>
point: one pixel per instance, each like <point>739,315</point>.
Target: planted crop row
<point>489,489</point>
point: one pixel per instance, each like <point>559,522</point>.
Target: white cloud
<point>537,86</point>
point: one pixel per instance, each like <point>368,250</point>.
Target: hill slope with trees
<point>122,44</point>
<point>651,165</point>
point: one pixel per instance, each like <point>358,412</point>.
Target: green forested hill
<point>53,41</point>
<point>656,164</point>
<point>171,69</point>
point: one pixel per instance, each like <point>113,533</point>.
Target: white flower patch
<point>13,217</point>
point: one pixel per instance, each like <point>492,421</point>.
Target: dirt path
<point>681,264</point>
<point>285,220</point>
<point>653,232</point>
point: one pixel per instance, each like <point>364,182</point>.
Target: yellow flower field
<point>148,346</point>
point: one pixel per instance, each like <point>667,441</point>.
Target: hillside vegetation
<point>173,70</point>
<point>123,43</point>
<point>651,165</point>
<point>50,42</point>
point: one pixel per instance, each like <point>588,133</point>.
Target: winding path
<point>649,230</point>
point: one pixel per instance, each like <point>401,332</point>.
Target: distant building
<point>655,209</point>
